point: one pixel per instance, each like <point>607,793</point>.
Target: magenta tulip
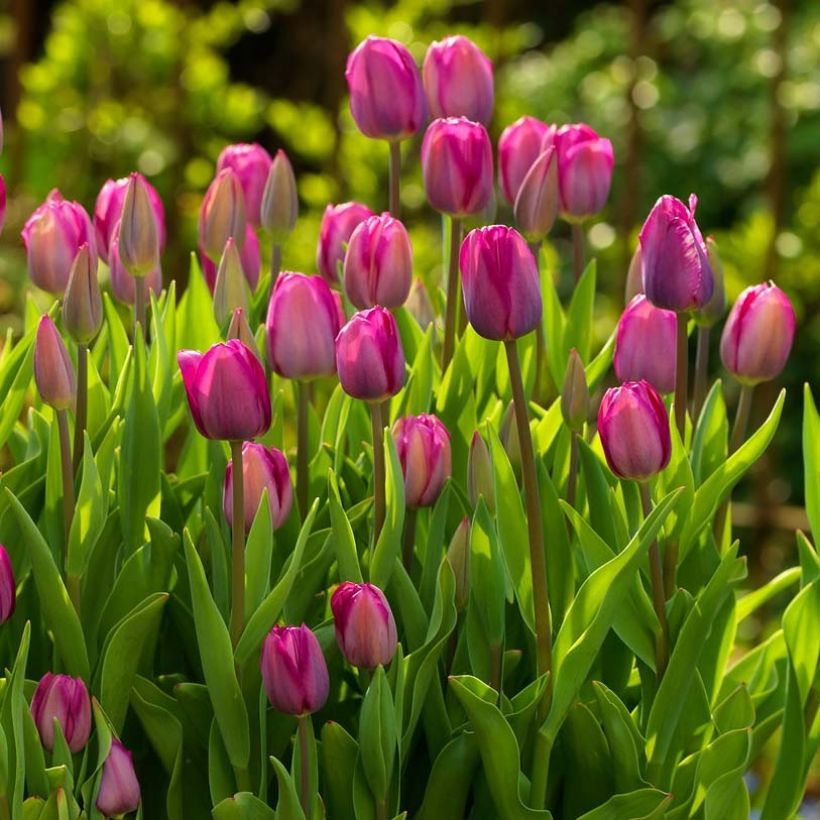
<point>251,163</point>
<point>423,447</point>
<point>634,430</point>
<point>123,285</point>
<point>53,370</point>
<point>378,268</point>
<point>536,205</point>
<point>64,699</point>
<point>758,334</point>
<point>294,671</point>
<point>645,345</point>
<point>365,628</point>
<point>222,214</point>
<point>119,788</point>
<point>8,586</point>
<point>458,80</point>
<point>519,146</point>
<point>227,391</point>
<point>338,223</point>
<point>585,163</point>
<point>249,255</point>
<point>457,165</point>
<point>386,94</point>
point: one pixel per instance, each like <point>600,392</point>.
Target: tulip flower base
<point>520,593</point>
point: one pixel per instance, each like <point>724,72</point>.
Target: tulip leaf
<point>258,555</point>
<point>623,737</point>
<point>14,385</point>
<point>347,556</point>
<point>554,325</point>
<point>117,337</point>
<point>243,806</point>
<point>643,803</point>
<point>339,752</point>
<point>378,735</point>
<point>811,460</point>
<point>451,779</point>
<point>288,807</point>
<point>750,602</point>
<point>11,722</point>
<point>588,781</point>
<point>89,515</point>
<point>578,329</point>
<point>388,545</point>
<point>803,636</point>
<point>487,575</point>
<point>710,441</point>
<point>196,328</point>
<point>560,561</point>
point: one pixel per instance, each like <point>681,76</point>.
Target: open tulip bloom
<point>314,547</point>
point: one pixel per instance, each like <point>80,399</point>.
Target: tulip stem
<point>577,251</point>
<point>303,722</point>
<point>302,445</point>
<point>543,634</point>
<point>658,594</point>
<point>682,375</point>
<point>237,544</point>
<point>73,583</point>
<point>409,539</point>
<point>701,372</point>
<point>395,179</point>
<point>139,305</point>
<point>378,469</point>
<point>275,263</point>
<point>451,315</point>
<point>81,416</point>
<point>540,341</point>
<point>540,770</point>
<point>572,481</point>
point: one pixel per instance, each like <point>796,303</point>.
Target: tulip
<point>123,284</point>
<point>249,254</point>
<point>280,201</point>
<point>676,271</point>
<point>634,430</point>
<point>369,356</point>
<point>227,391</point>
<point>222,214</point>
<point>240,329</point>
<point>338,223</point>
<point>584,171</point>
<point>645,345</point>
<point>536,205</point>
<point>480,482</point>
<point>294,671</point>
<point>139,232</point>
<point>52,235</point>
<point>519,146</point>
<point>108,212</point>
<point>457,165</point>
<point>502,292</point>
<point>251,163</point>
<point>8,586</point>
<point>458,557</point>
<point>386,94</point>
<point>301,328</point>
<point>53,370</point>
<point>263,468</point>
<point>758,334</point>
<point>230,289</point>
<point>423,447</point>
<point>64,699</point>
<point>575,394</point>
<point>378,267</point>
<point>119,788</point>
<point>82,306</point>
<point>365,628</point>
<point>458,80</point>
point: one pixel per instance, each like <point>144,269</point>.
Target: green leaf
<point>487,576</point>
<point>638,804</point>
<point>800,629</point>
<point>11,718</point>
<point>14,389</point>
<point>378,735</point>
<point>750,602</point>
<point>710,441</point>
<point>578,328</point>
<point>258,555</point>
<point>118,346</point>
<point>388,547</point>
<point>346,554</point>
<point>597,490</point>
<point>288,807</point>
<point>811,460</point>
<point>243,806</point>
<point>623,738</point>
<point>196,327</point>
<point>588,779</point>
<point>89,515</point>
<point>339,751</point>
<point>451,779</point>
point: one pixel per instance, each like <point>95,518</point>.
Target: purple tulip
<point>294,671</point>
<point>263,468</point>
<point>338,223</point>
<point>378,267</point>
<point>52,235</point>
<point>222,214</point>
<point>301,328</point>
<point>119,788</point>
<point>423,447</point>
<point>519,146</point>
<point>458,80</point>
<point>108,211</point>
<point>536,205</point>
<point>758,334</point>
<point>251,163</point>
<point>365,628</point>
<point>634,430</point>
<point>369,356</point>
<point>64,699</point>
<point>585,163</point>
<point>457,165</point>
<point>502,292</point>
<point>123,285</point>
<point>646,344</point>
<point>386,94</point>
<point>8,586</point>
<point>53,370</point>
<point>249,254</point>
<point>676,270</point>
<point>227,391</point>
<point>139,231</point>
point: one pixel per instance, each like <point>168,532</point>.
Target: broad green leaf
<point>623,738</point>
<point>346,554</point>
<point>11,718</point>
<point>338,752</point>
<point>578,328</point>
<point>378,735</point>
<point>196,327</point>
<point>638,804</point>
<point>89,514</point>
<point>588,779</point>
<point>811,460</point>
<point>14,393</point>
<point>118,347</point>
<point>487,576</point>
<point>288,807</point>
<point>243,806</point>
<point>258,555</point>
<point>800,628</point>
<point>710,441</point>
<point>750,602</point>
<point>451,779</point>
<point>389,544</point>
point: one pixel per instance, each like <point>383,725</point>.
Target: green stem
<point>409,538</point>
<point>577,251</point>
<point>81,416</point>
<point>73,582</point>
<point>302,445</point>
<point>682,375</point>
<point>540,770</point>
<point>496,668</point>
<point>395,179</point>
<point>451,314</point>
<point>658,593</point>
<point>139,305</point>
<point>304,764</point>
<point>237,544</point>
<point>378,469</point>
<point>275,263</point>
<point>701,372</point>
<point>572,481</point>
<point>540,340</point>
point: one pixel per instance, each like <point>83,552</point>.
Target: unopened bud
<point>139,231</point>
<point>222,214</point>
<point>458,557</point>
<point>575,393</point>
<point>419,304</point>
<point>536,205</point>
<point>53,371</point>
<point>240,329</point>
<point>480,473</point>
<point>280,201</point>
<point>82,306</point>
<point>230,290</point>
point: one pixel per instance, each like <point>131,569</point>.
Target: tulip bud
<point>280,201</point>
<point>263,468</point>
<point>457,164</point>
<point>53,371</point>
<point>419,305</point>
<point>294,671</point>
<point>82,306</point>
<point>458,557</point>
<point>676,271</point>
<point>249,255</point>
<point>423,448</point>
<point>758,335</point>
<point>119,788</point>
<point>458,80</point>
<point>369,356</point>
<point>502,291</point>
<point>480,483</point>
<point>714,309</point>
<point>378,265</point>
<point>519,146</point>
<point>634,430</point>
<point>123,285</point>
<point>64,699</point>
<point>301,328</point>
<point>227,391</point>
<point>585,163</point>
<point>8,586</point>
<point>240,329</point>
<point>230,290</point>
<point>52,235</point>
<point>139,231</point>
<point>338,223</point>
<point>365,628</point>
<point>536,205</point>
<point>222,214</point>
<point>251,163</point>
<point>386,95</point>
<point>646,345</point>
<point>634,276</point>
<point>575,394</point>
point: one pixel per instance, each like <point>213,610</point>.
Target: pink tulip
<point>249,254</point>
<point>123,285</point>
<point>585,163</point>
<point>280,200</point>
<point>8,586</point>
<point>64,699</point>
<point>251,163</point>
<point>119,788</point>
<point>53,370</point>
<point>423,447</point>
<point>294,671</point>
<point>365,628</point>
<point>139,236</point>
<point>82,304</point>
<point>536,205</point>
<point>223,214</point>
<point>338,223</point>
<point>519,146</point>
